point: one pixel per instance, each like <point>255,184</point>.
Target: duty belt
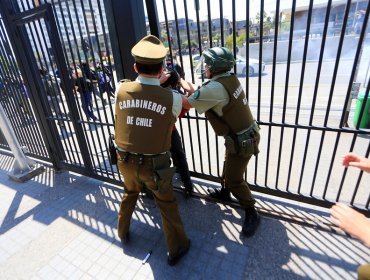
<point>143,158</point>
<point>248,129</point>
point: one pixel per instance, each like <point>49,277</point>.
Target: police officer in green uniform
<point>224,103</point>
<point>145,114</point>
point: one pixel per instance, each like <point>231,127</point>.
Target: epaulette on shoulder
<point>206,82</point>
<point>124,81</point>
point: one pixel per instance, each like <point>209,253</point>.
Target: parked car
<point>241,66</point>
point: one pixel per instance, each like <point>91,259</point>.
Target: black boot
<point>126,239</point>
<point>189,189</point>
<point>251,221</point>
<point>220,194</point>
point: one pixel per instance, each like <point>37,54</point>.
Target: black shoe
<point>172,260</point>
<point>189,189</point>
<point>125,240</point>
<point>220,194</point>
<point>251,221</point>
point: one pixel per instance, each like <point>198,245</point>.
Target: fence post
<point>24,168</point>
<point>129,21</point>
<point>151,8</point>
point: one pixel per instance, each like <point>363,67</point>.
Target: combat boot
<point>126,239</point>
<point>251,221</point>
<point>172,260</point>
<point>189,189</point>
<point>220,194</point>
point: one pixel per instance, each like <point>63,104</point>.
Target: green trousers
<point>233,178</point>
<point>363,272</point>
<point>138,173</point>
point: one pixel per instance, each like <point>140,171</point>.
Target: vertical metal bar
<point>331,164</point>
<point>210,38</point>
<point>191,144</point>
<point>167,28</point>
<point>178,34</point>
<point>19,91</point>
<point>95,155</point>
<point>308,25</point>
<point>277,9</point>
<point>355,68</point>
<point>10,71</point>
<point>247,50</point>
<point>341,39</point>
<point>325,31</point>
<point>260,61</point>
<point>112,29</point>
<point>286,88</point>
<point>189,41</point>
<point>128,13</point>
<point>344,25</point>
<point>21,99</point>
<point>27,64</point>
<point>199,31</point>
<point>234,33</point>
<point>112,81</point>
<point>68,74</point>
<point>222,24</point>
<point>151,8</point>
<point>105,159</point>
<point>345,170</point>
<point>45,53</point>
<point>70,97</point>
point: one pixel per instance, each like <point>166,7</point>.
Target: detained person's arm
<point>188,86</point>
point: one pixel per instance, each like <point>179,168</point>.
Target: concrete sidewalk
<point>63,226</point>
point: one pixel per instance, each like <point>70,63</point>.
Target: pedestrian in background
<point>350,220</point>
<point>145,114</point>
<point>84,87</point>
<point>52,89</point>
<point>224,103</point>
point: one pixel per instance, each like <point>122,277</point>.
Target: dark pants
<point>139,173</point>
<point>179,159</point>
<point>86,99</point>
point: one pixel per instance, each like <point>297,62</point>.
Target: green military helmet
<point>219,59</point>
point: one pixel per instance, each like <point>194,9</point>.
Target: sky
<point>240,5</point>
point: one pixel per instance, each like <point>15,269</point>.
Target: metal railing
<point>299,102</point>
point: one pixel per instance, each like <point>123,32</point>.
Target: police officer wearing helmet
<point>145,114</point>
<point>224,103</point>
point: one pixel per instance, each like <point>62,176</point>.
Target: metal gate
<point>307,60</point>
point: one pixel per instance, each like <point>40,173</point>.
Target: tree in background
<point>268,22</point>
<point>240,40</point>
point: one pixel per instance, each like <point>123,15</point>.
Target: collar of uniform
<point>220,75</point>
<point>147,81</point>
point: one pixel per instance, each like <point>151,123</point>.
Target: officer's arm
<point>185,103</point>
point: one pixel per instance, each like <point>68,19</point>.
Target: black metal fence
<point>298,76</point>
